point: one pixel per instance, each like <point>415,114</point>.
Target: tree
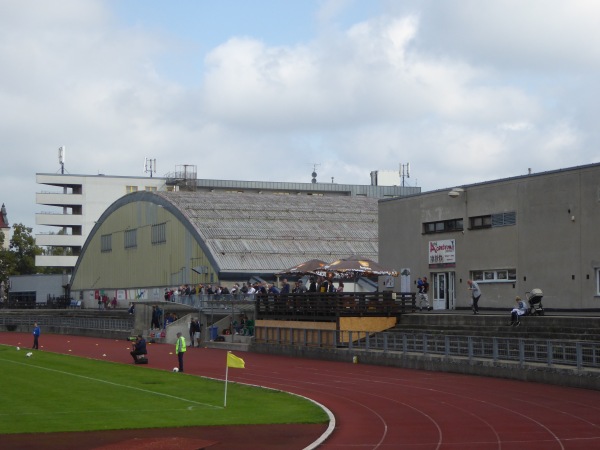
<point>6,260</point>
<point>22,251</point>
<point>54,250</point>
<point>3,262</point>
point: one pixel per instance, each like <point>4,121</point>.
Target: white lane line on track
<point>540,424</point>
<point>314,385</point>
<point>489,425</point>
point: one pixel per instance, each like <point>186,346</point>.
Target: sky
<point>464,91</point>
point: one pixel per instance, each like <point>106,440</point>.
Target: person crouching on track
<point>139,347</point>
<point>519,310</point>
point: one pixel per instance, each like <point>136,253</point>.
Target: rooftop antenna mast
<point>314,173</point>
<point>61,158</point>
<point>150,166</point>
<point>404,172</point>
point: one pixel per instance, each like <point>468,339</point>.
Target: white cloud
<point>462,90</point>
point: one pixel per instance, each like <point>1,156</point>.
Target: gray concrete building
<point>511,235</point>
<point>36,289</point>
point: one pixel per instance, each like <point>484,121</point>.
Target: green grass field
<point>50,392</point>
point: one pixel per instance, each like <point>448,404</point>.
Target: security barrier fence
<point>88,323</point>
<point>580,355</point>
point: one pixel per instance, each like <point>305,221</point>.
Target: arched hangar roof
<point>244,233</point>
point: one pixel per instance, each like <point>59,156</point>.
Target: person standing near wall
<point>36,335</point>
<point>180,350</point>
<point>423,289</point>
<point>195,332</point>
<point>476,294</point>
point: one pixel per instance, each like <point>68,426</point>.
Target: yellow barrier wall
<point>320,334</point>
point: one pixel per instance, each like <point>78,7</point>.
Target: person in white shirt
<point>519,310</point>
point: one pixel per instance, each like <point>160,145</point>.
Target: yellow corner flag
<point>234,361</point>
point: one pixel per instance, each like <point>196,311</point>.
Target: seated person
<point>139,347</point>
<point>239,326</point>
<point>519,310</point>
<point>248,329</point>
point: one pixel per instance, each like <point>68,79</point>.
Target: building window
<point>130,238</point>
<point>106,243</point>
<point>151,188</point>
<point>490,276</point>
<point>493,220</point>
<point>443,226</point>
<point>130,189</point>
<point>598,281</point>
<point>159,233</point>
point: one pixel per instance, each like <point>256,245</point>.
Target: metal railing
<point>221,301</point>
<point>551,353</point>
<point>328,306</point>
<point>89,323</point>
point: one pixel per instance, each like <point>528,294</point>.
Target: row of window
<point>494,275</point>
<point>158,235</point>
<point>130,189</point>
<point>475,223</point>
<point>510,275</point>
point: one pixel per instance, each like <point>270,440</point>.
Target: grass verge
<point>50,392</point>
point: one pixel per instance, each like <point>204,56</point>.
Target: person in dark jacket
<point>312,287</point>
<point>139,347</point>
<point>195,332</point>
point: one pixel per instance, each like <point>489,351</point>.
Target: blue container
<point>214,332</point>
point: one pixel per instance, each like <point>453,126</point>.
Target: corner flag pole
<point>226,376</point>
<point>235,362</point>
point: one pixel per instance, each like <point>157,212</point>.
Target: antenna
<point>404,171</point>
<point>61,158</point>
<point>150,166</point>
<point>314,173</point>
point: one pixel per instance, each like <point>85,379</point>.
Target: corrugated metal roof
<point>269,232</point>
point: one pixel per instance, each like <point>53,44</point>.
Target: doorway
<point>444,294</point>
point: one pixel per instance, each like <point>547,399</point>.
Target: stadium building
<point>223,232</point>
<point>511,235</point>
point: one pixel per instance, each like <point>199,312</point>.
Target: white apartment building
<point>78,201</point>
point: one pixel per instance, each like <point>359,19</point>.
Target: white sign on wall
<point>405,280</point>
<point>442,253</point>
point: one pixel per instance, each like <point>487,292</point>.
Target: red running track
<point>385,407</point>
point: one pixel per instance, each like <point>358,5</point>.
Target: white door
<point>440,290</point>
